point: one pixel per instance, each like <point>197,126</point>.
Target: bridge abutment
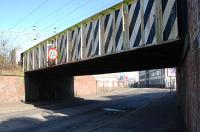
<point>44,87</point>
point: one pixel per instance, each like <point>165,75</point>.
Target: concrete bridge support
<point>42,87</point>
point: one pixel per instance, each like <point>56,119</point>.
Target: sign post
<point>171,72</point>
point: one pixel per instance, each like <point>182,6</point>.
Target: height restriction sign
<point>52,54</point>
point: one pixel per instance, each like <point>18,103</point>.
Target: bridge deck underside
<point>154,56</point>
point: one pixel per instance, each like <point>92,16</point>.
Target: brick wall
<point>88,85</point>
<point>84,85</point>
<point>188,73</point>
<point>11,89</point>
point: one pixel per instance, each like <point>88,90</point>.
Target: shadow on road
<point>152,112</point>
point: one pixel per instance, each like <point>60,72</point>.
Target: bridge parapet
<point>128,25</point>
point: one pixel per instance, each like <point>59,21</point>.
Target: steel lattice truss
<point>125,26</point>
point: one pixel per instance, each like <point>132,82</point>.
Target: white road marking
<point>115,110</point>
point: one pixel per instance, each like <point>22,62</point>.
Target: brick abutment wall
<point>188,73</point>
<point>11,89</point>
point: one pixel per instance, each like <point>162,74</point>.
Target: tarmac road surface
<point>131,110</point>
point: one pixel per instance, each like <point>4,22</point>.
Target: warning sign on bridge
<point>52,54</point>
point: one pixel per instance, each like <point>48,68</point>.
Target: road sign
<point>52,54</point>
<point>171,72</point>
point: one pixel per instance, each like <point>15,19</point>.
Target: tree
<point>7,54</point>
<point>3,51</point>
<point>13,56</point>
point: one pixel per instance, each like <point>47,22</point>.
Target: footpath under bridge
<point>132,35</point>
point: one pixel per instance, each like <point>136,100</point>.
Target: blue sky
<point>19,16</point>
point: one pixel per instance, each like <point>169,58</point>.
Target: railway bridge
<point>129,36</point>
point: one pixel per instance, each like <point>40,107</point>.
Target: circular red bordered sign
<point>52,54</point>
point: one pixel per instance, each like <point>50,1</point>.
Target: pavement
<point>130,110</point>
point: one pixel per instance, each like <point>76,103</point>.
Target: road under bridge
<point>130,36</point>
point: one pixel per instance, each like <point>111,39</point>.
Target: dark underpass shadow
<point>80,115</point>
<point>77,101</point>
